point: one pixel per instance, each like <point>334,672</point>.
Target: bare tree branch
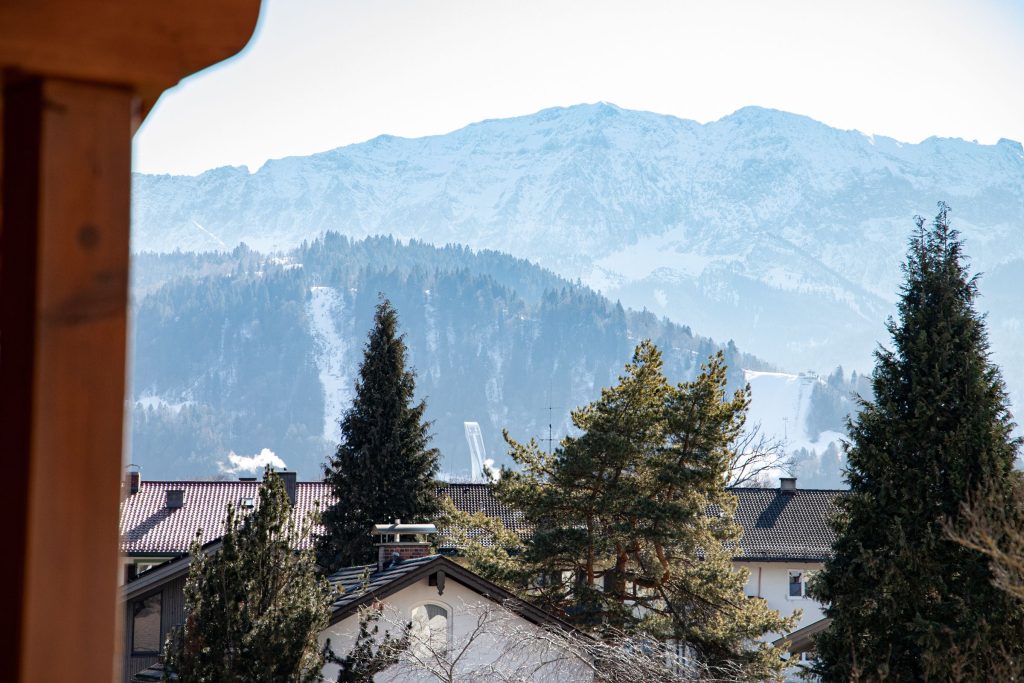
<point>756,458</point>
<point>502,646</point>
<point>995,528</point>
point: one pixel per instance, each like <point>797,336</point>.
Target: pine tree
<point>902,594</point>
<point>254,608</point>
<point>622,535</point>
<point>384,468</point>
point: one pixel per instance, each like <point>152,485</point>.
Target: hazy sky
<point>323,73</point>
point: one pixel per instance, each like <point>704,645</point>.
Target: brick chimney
<point>400,542</point>
<point>787,485</point>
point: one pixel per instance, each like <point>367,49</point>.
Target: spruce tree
<point>622,535</point>
<point>384,468</point>
<point>254,608</point>
<point>904,596</point>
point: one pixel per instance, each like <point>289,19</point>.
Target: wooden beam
<point>73,76</point>
<point>147,44</point>
<point>63,279</point>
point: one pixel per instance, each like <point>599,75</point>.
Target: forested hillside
<point>241,351</point>
<point>766,227</point>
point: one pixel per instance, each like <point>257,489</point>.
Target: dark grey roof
<point>473,498</point>
<point>361,585</point>
<point>786,526</point>
<point>153,673</point>
<point>353,583</point>
<point>776,526</point>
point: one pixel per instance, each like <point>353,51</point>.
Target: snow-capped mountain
<point>765,227</point>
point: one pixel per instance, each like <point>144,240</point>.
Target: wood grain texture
<point>149,45</point>
<point>74,77</point>
<point>64,278</point>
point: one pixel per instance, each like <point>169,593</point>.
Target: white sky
<point>324,73</point>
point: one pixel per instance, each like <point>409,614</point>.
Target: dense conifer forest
<point>231,352</point>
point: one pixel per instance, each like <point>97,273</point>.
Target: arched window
<point>430,627</point>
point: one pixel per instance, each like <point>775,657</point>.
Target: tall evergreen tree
<point>254,608</point>
<point>384,468</point>
<point>903,596</point>
<point>622,533</point>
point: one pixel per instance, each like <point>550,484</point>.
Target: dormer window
<point>246,503</point>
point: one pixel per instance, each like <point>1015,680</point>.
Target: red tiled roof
<point>776,526</point>
<point>148,526</point>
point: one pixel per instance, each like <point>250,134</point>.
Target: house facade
<point>460,621</point>
<point>461,625</point>
<point>786,538</point>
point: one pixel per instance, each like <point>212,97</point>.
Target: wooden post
<point>64,280</point>
<point>73,76</point>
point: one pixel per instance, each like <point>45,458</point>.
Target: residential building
<point>160,520</point>
<point>786,538</point>
<point>444,602</point>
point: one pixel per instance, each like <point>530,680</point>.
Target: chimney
<point>400,542</point>
<point>134,480</point>
<point>787,485</point>
<point>289,479</point>
<point>175,498</point>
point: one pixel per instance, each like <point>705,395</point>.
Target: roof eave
<point>461,575</point>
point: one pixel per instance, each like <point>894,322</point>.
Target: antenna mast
<point>551,436</point>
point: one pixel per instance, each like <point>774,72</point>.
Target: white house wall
<point>770,580</point>
<point>491,649</point>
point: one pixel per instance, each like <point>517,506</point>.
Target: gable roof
<point>802,639</point>
<point>168,571</point>
<point>776,526</point>
<point>781,527</point>
<point>149,527</point>
<point>363,585</point>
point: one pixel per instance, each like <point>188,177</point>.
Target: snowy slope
<point>720,225</point>
<point>781,406</point>
<point>332,360</point>
<point>780,403</point>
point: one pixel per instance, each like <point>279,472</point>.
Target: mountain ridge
<point>768,227</point>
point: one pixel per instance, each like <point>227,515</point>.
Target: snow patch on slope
<point>325,306</point>
<point>430,315</point>
<point>154,402</point>
<point>780,403</point>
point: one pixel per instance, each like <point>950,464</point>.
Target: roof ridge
<point>776,489</point>
<point>220,481</point>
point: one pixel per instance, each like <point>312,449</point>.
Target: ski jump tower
<point>475,439</point>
